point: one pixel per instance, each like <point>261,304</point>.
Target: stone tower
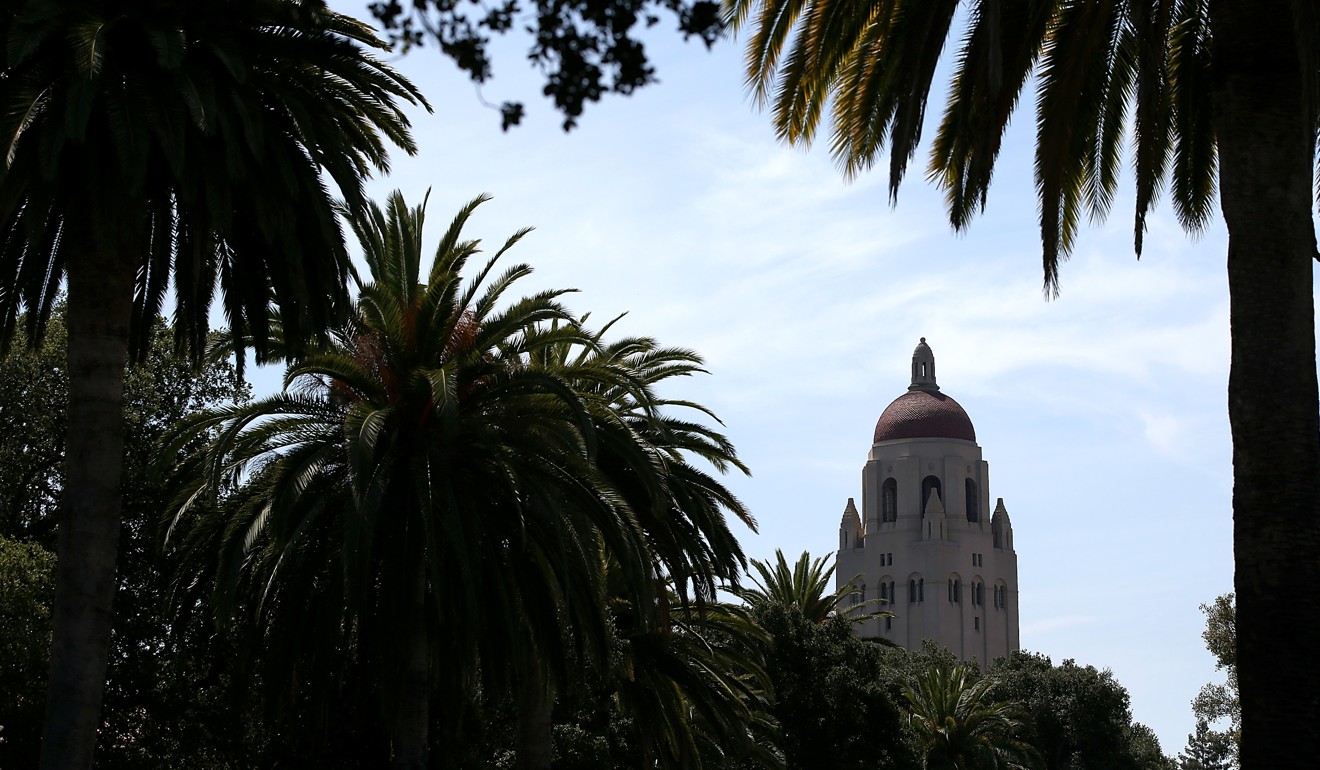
<point>925,541</point>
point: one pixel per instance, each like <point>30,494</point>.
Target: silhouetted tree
<point>587,48</point>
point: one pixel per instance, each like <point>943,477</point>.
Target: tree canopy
<point>1077,717</point>
<point>586,48</point>
<point>1216,707</point>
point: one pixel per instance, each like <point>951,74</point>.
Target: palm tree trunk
<point>411,725</point>
<point>1266,142</point>
<point>534,743</point>
<point>100,305</point>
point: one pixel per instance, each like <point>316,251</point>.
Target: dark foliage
<point>586,48</point>
<point>165,702</point>
<point>1078,716</point>
<point>836,696</point>
<point>27,587</point>
<point>1217,707</point>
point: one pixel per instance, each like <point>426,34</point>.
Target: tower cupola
<point>923,368</point>
<point>923,411</point>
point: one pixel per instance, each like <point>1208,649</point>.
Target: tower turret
<point>850,527</point>
<point>1001,529</point>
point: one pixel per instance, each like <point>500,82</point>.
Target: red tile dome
<point>924,414</point>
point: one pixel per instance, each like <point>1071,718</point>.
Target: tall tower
<point>923,542</point>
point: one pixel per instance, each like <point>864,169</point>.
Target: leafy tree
<point>1077,717</point>
<point>587,48</point>
<point>1146,750</point>
<point>835,699</point>
<point>1208,749</point>
<point>166,697</point>
<point>158,143</point>
<point>1218,702</point>
<point>27,583</point>
<point>34,391</point>
<point>163,705</point>
<point>1217,92</point>
<point>958,725</point>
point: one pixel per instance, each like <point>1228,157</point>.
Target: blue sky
<point>1102,413</point>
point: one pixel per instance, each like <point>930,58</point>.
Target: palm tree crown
<point>190,138</point>
<point>804,589</point>
<point>959,727</point>
<point>445,488</point>
<point>418,485</point>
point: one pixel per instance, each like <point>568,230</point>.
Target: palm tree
<point>1218,92</point>
<point>155,143</point>
<point>804,589</point>
<point>439,491</point>
<point>420,496</point>
<point>959,727</point>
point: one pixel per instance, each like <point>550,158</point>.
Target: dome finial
<point>923,368</point>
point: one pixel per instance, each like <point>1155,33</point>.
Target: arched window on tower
<point>927,484</point>
<point>973,502</point>
<point>889,501</point>
<point>912,592</point>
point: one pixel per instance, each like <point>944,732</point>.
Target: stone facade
<point>925,541</point>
